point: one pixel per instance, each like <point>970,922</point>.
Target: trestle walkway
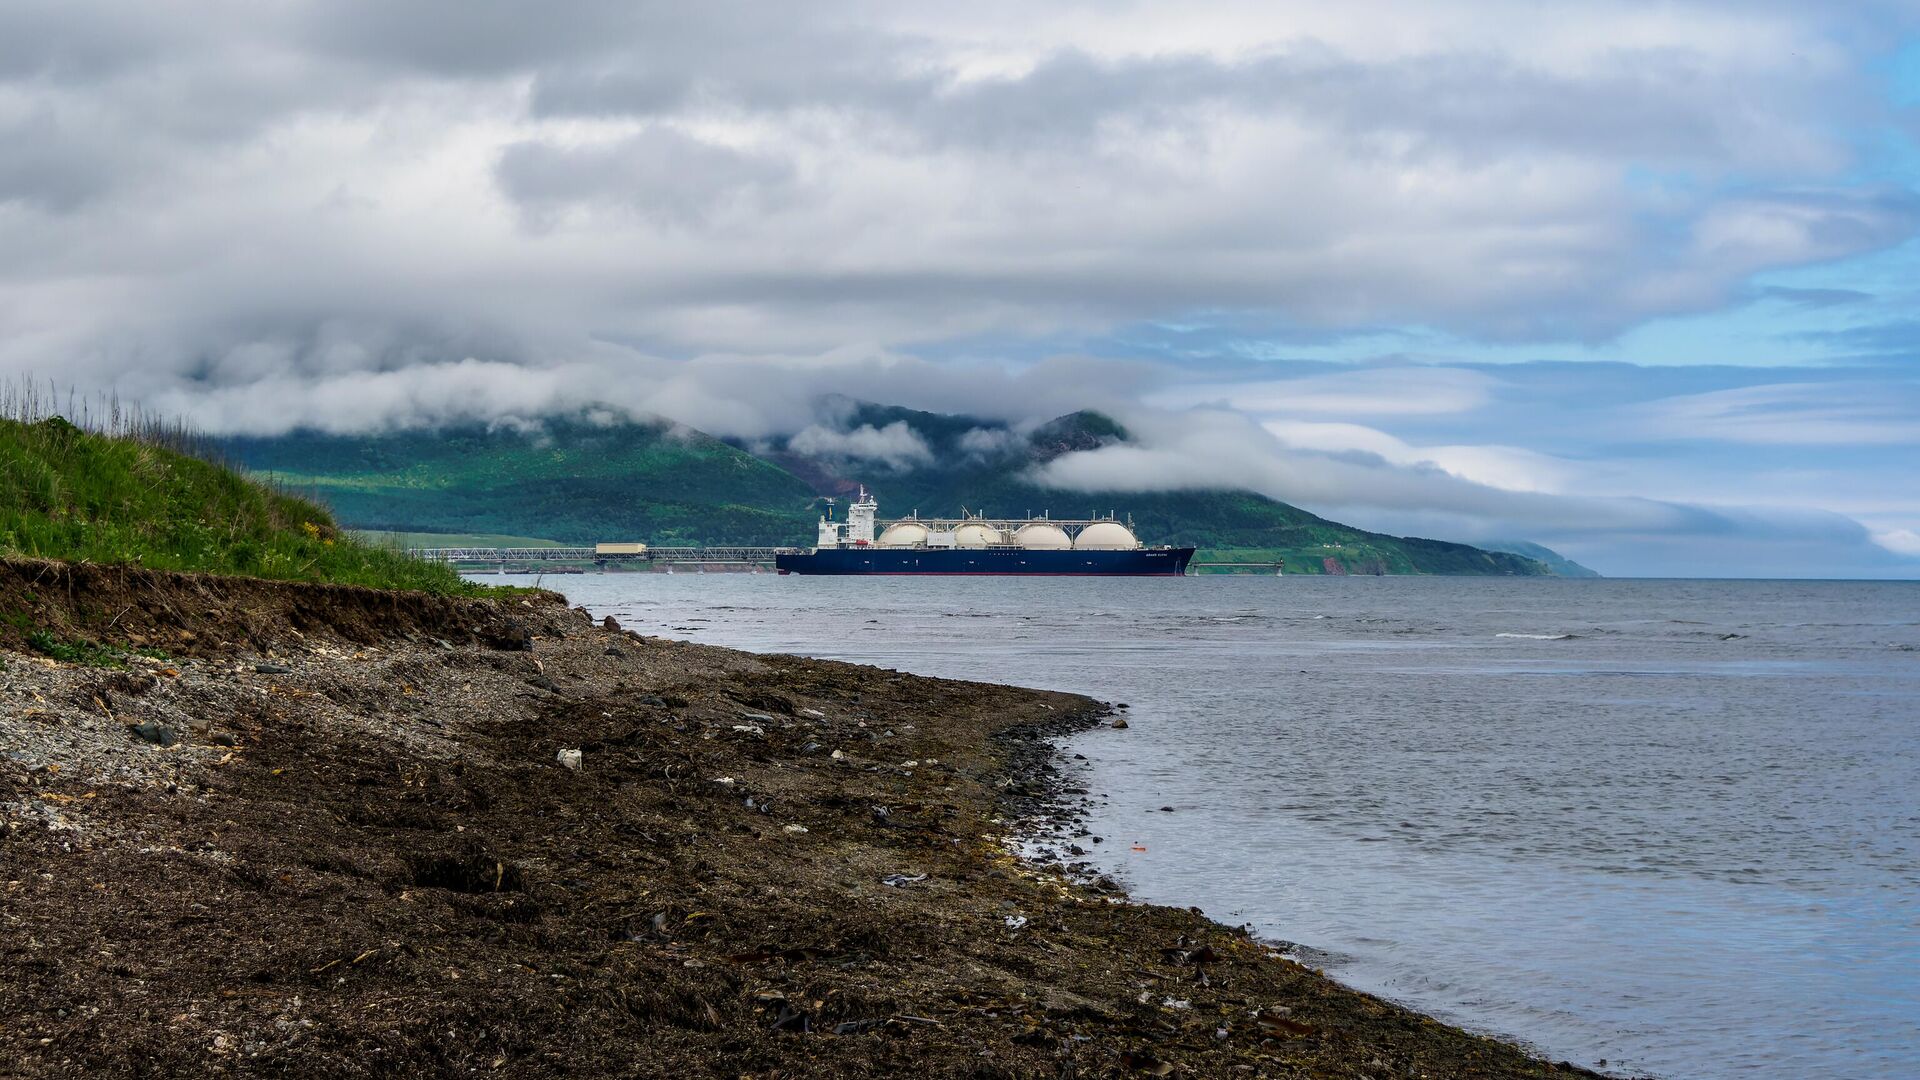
<point>479,556</point>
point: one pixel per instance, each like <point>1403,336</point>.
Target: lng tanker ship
<point>980,545</point>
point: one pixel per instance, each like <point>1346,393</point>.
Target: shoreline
<point>1058,812</point>
<point>338,836</point>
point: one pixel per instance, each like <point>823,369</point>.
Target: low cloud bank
<point>749,397</point>
<point>895,446</point>
<point>1408,492</point>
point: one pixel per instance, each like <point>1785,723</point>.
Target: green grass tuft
<point>67,493</point>
<point>88,653</point>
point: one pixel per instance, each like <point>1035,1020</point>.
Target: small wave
<point>1537,637</point>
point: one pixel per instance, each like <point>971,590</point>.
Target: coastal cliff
<point>306,830</point>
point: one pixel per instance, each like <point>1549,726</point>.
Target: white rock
<point>569,758</point>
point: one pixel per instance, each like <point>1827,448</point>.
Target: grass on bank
<point>130,499</point>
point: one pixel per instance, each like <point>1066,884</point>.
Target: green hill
<point>578,480</point>
<point>76,495</point>
<point>572,479</point>
<point>1558,563</point>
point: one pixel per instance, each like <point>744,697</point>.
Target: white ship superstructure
<point>973,531</point>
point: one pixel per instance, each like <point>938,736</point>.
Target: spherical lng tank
<point>904,534</point>
<point>975,535</point>
<point>1106,536</point>
<point>1042,537</point>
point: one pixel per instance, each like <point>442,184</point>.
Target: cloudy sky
<point>1636,280</point>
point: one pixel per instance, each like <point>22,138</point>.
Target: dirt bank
<point>206,614</point>
<point>355,850</point>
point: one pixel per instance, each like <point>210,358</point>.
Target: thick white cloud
<point>675,177</point>
<point>315,381</point>
<point>896,445</point>
<point>658,173</point>
<point>1510,467</point>
<point>360,214</point>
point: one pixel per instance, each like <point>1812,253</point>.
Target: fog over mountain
<point>1630,280</point>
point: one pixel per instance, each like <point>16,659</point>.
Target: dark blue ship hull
<point>1145,562</point>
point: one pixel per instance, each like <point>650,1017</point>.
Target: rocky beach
<point>310,830</point>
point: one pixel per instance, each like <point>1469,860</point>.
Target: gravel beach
<point>321,831</point>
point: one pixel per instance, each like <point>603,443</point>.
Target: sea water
<point>1669,825</point>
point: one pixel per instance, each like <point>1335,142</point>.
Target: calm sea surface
<point>1674,825</point>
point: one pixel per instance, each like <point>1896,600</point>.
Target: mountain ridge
<point>585,477</point>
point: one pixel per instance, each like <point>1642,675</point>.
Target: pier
<point>664,556</point>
